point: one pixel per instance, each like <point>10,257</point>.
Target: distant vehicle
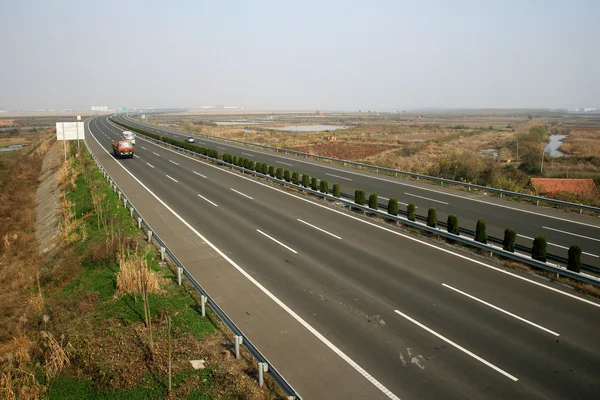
<point>190,139</point>
<point>128,135</point>
<point>123,148</point>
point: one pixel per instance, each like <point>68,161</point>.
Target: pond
<point>311,128</point>
<point>238,123</point>
<point>12,147</point>
<point>555,141</point>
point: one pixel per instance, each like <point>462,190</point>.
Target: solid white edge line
<point>172,179</point>
<point>459,347</point>
<point>426,198</point>
<point>151,166</point>
<point>277,241</point>
<point>197,173</point>
<point>412,186</point>
<point>322,230</point>
<point>199,195</point>
<point>280,303</point>
<point>570,233</point>
<point>245,195</point>
<point>502,310</point>
<point>336,176</point>
<point>173,162</point>
<point>392,231</point>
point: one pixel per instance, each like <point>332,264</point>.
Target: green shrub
<point>235,160</point>
<point>279,173</point>
<point>313,183</point>
<point>250,165</point>
<point>574,263</point>
<point>481,232</point>
<point>324,186</point>
<point>264,168</point>
<point>393,206</point>
<point>336,190</point>
<point>510,236</point>
<point>410,211</point>
<point>453,224</point>
<point>432,217</point>
<point>257,166</point>
<point>373,201</point>
<point>360,197</point>
<point>295,178</point>
<point>538,252</point>
<point>286,175</point>
<point>305,180</point>
<point>272,171</point>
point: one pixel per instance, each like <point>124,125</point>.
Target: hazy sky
<point>299,54</point>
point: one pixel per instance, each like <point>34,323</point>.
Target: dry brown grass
<point>134,273</point>
<point>584,142</point>
<point>56,355</point>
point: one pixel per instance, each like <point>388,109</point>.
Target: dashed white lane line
<point>319,229</point>
<point>385,198</point>
<point>501,310</point>
<point>337,176</point>
<point>222,148</point>
<point>136,156</point>
<point>204,198</point>
<point>426,198</point>
<point>171,179</point>
<point>277,241</point>
<point>248,154</point>
<point>284,163</point>
<point>150,165</point>
<point>143,148</point>
<point>450,342</point>
<point>171,161</point>
<point>197,173</point>
<point>558,245</point>
<point>245,195</point>
<point>156,154</point>
<point>569,233</point>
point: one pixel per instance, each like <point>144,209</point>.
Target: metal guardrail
<point>414,224</point>
<point>442,181</point>
<point>240,338</point>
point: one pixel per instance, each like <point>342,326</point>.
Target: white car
<point>190,139</point>
<point>129,136</point>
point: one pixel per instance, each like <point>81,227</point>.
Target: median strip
<point>319,229</point>
<point>450,342</point>
<point>204,198</point>
<point>277,241</point>
<point>501,310</point>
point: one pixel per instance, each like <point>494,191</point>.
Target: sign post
<point>69,131</point>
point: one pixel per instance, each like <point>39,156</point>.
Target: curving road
<point>372,312</point>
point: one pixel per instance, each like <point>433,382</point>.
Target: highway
<point>415,319</point>
<point>562,229</point>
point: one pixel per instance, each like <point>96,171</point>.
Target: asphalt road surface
<point>411,319</point>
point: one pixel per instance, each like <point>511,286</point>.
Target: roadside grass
<point>106,346</point>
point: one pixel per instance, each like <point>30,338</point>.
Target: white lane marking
<point>156,154</point>
<point>280,303</point>
<point>171,178</point>
<point>136,156</point>
<point>222,148</point>
<point>581,299</point>
<point>322,230</point>
<point>143,148</point>
<point>569,233</point>
<point>150,165</point>
<point>247,154</point>
<point>173,162</point>
<point>284,163</point>
<point>489,364</point>
<point>502,311</point>
<point>559,246</point>
<point>197,173</point>
<point>385,198</point>
<point>426,198</point>
<point>199,141</point>
<point>337,176</point>
<point>245,195</point>
<point>277,241</point>
<point>199,195</point>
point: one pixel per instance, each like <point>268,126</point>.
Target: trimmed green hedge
<point>313,183</point>
<point>540,245</point>
<point>510,236</point>
<point>410,211</point>
<point>373,201</point>
<point>393,206</point>
<point>453,224</point>
<point>481,232</point>
<point>336,190</point>
<point>360,197</point>
<point>574,263</point>
<point>295,178</point>
<point>305,180</point>
<point>324,186</point>
<point>432,217</point>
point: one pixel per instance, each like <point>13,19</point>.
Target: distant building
<point>553,186</point>
<point>320,113</point>
<point>7,122</point>
<point>330,138</point>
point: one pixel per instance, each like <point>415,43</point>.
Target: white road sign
<point>70,131</point>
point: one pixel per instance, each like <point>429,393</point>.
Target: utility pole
<point>64,141</point>
<point>543,153</point>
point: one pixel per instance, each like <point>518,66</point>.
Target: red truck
<point>123,148</point>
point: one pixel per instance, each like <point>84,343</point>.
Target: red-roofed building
<point>551,186</point>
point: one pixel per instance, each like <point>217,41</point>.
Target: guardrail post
<point>139,222</point>
<point>203,305</point>
<point>162,253</point>
<point>500,193</point>
<point>537,202</point>
<point>580,210</point>
<point>442,183</point>
<point>131,211</point>
<point>262,368</point>
<point>149,236</point>
<point>125,202</point>
<point>238,340</point>
<point>179,272</point>
<point>120,193</point>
